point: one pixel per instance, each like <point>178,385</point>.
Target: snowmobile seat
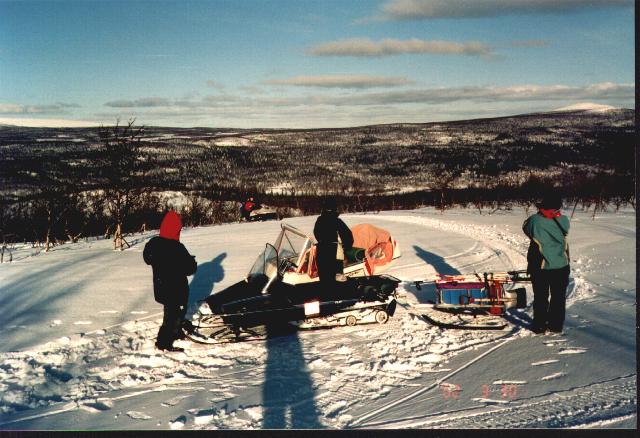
<point>354,255</point>
<point>250,287</point>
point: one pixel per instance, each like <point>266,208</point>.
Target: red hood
<point>171,226</point>
<point>549,214</point>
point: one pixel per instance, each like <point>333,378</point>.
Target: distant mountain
<point>588,106</point>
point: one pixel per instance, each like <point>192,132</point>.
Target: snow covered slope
<point>588,106</point>
<point>79,322</point>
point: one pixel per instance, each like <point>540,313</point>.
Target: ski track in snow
<point>573,350</point>
<point>348,366</point>
<point>544,362</point>
<point>553,376</point>
<point>83,369</point>
<point>598,403</point>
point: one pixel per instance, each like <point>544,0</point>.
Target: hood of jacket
<point>171,226</point>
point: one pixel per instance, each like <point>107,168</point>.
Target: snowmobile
<point>263,213</point>
<point>250,211</point>
<point>282,289</point>
<point>474,301</point>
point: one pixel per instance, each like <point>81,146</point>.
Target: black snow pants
<point>171,325</point>
<point>549,314</point>
<point>327,263</point>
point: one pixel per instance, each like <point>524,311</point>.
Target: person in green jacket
<point>548,263</point>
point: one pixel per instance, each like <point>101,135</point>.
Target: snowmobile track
<point>358,422</point>
<point>574,407</point>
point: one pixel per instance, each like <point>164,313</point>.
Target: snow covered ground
<point>78,326</point>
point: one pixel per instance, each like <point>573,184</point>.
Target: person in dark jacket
<point>327,229</point>
<point>171,263</point>
<point>548,263</point>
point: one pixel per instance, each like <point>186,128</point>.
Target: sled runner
<point>283,288</point>
<point>475,301</point>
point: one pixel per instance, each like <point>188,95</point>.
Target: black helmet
<point>330,204</point>
<point>550,201</point>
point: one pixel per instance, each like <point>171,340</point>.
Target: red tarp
<point>377,243</point>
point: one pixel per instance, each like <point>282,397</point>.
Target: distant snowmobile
<point>263,213</point>
<point>474,301</point>
<point>283,288</point>
<point>250,210</point>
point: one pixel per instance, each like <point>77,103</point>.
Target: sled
<point>475,301</point>
<point>283,289</point>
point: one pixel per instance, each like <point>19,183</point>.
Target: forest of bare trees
<point>67,184</point>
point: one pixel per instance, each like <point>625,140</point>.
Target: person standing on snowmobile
<point>548,263</point>
<point>327,230</point>
<point>171,263</point>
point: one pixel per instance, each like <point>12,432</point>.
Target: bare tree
<point>121,169</point>
<point>53,200</point>
<point>445,180</point>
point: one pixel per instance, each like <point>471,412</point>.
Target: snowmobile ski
<point>464,321</point>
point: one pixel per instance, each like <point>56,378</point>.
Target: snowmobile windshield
<point>266,263</point>
<point>292,243</point>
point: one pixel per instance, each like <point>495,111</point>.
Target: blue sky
<point>303,63</point>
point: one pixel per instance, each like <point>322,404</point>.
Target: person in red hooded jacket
<point>247,207</point>
<point>171,263</point>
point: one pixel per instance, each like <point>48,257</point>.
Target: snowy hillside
<point>79,324</point>
<point>588,106</point>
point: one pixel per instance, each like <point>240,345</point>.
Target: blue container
<point>461,296</point>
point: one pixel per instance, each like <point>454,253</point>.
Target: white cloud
<point>341,81</point>
<point>336,109</point>
<point>11,108</point>
<point>386,47</point>
<point>14,108</point>
<point>143,102</point>
<point>433,96</point>
<point>48,123</point>
<point>252,89</point>
<point>216,85</point>
<point>430,9</point>
<point>516,93</point>
<point>602,91</point>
